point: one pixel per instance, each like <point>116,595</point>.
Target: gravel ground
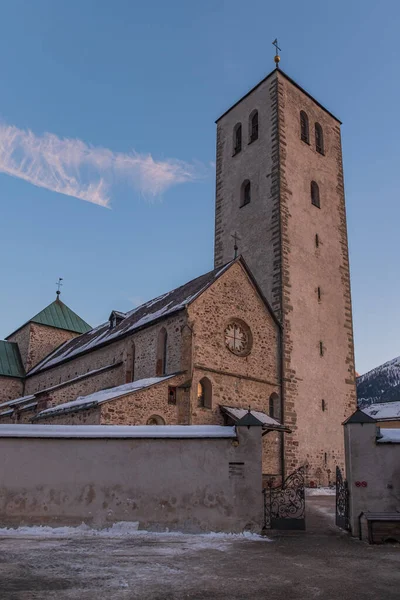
<point>322,562</point>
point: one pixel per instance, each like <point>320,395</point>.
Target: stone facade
<point>307,286</point>
<point>36,341</point>
<point>10,388</point>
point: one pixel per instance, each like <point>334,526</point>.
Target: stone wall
<point>196,484</point>
<point>36,341</point>
<point>236,381</point>
<point>137,408</point>
<point>89,416</point>
<point>10,388</point>
<point>309,321</point>
<point>377,465</point>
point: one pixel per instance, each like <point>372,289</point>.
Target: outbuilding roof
<point>236,414</point>
<point>383,411</point>
<point>10,360</point>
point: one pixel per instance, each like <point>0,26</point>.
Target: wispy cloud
<point>73,168</point>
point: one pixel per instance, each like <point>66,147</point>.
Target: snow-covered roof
<point>384,411</point>
<point>101,396</point>
<point>117,431</point>
<point>139,317</point>
<point>17,401</point>
<point>238,413</point>
<point>389,436</point>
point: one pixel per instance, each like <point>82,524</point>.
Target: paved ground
<point>320,563</point>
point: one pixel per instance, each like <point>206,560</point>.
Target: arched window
<point>161,365</point>
<point>204,393</point>
<point>253,126</point>
<point>245,193</point>
<point>237,138</point>
<point>274,407</point>
<point>319,138</point>
<point>305,136</point>
<point>155,420</point>
<point>315,194</point>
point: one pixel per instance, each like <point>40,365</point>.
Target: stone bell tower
<point>279,187</point>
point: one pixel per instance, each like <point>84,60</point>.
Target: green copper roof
<point>10,360</point>
<point>57,314</point>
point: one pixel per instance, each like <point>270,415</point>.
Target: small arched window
<point>305,136</point>
<point>319,138</point>
<point>245,193</point>
<point>237,138</point>
<point>274,407</point>
<point>253,126</point>
<point>204,393</point>
<point>162,341</point>
<point>315,194</point>
<point>155,420</point>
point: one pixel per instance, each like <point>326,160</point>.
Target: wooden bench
<point>383,527</point>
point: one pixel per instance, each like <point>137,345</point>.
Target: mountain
<point>382,384</point>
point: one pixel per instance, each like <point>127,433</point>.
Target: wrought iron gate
<point>342,501</point>
<point>284,506</point>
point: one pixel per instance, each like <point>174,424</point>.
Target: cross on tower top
<point>277,58</point>
<point>59,284</point>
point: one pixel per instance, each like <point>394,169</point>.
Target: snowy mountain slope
<point>382,384</point>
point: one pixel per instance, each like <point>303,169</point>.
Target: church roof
<point>59,315</point>
<point>139,317</point>
<point>10,360</point>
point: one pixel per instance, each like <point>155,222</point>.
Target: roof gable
<point>59,315</point>
<point>138,318</point>
<point>10,360</point>
<point>359,417</point>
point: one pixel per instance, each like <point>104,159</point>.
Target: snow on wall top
<point>103,396</point>
<point>383,410</point>
<point>116,431</point>
<point>389,436</point>
<point>141,316</point>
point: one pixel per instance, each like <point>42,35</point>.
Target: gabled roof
<point>10,360</point>
<point>246,416</point>
<point>96,398</point>
<point>359,416</point>
<point>143,316</point>
<point>138,318</point>
<point>59,315</point>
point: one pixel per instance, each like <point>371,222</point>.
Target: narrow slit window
<point>323,405</point>
<point>319,139</point>
<point>316,240</point>
<point>319,294</point>
<point>315,199</point>
<point>253,127</point>
<point>304,130</point>
<point>237,138</point>
<point>245,193</point>
<point>321,349</point>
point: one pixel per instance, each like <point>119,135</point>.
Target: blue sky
<point>136,88</point>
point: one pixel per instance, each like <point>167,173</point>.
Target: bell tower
<point>279,189</point>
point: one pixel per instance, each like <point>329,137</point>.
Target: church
<point>268,331</point>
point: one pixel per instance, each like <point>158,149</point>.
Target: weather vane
<point>59,284</point>
<point>277,58</point>
<point>235,247</point>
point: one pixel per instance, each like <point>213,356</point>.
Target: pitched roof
<point>359,416</point>
<point>10,360</point>
<point>93,400</point>
<point>245,416</point>
<point>383,411</point>
<point>139,317</point>
<point>59,315</point>
<point>279,72</point>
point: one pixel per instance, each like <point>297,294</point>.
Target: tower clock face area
<point>238,338</point>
